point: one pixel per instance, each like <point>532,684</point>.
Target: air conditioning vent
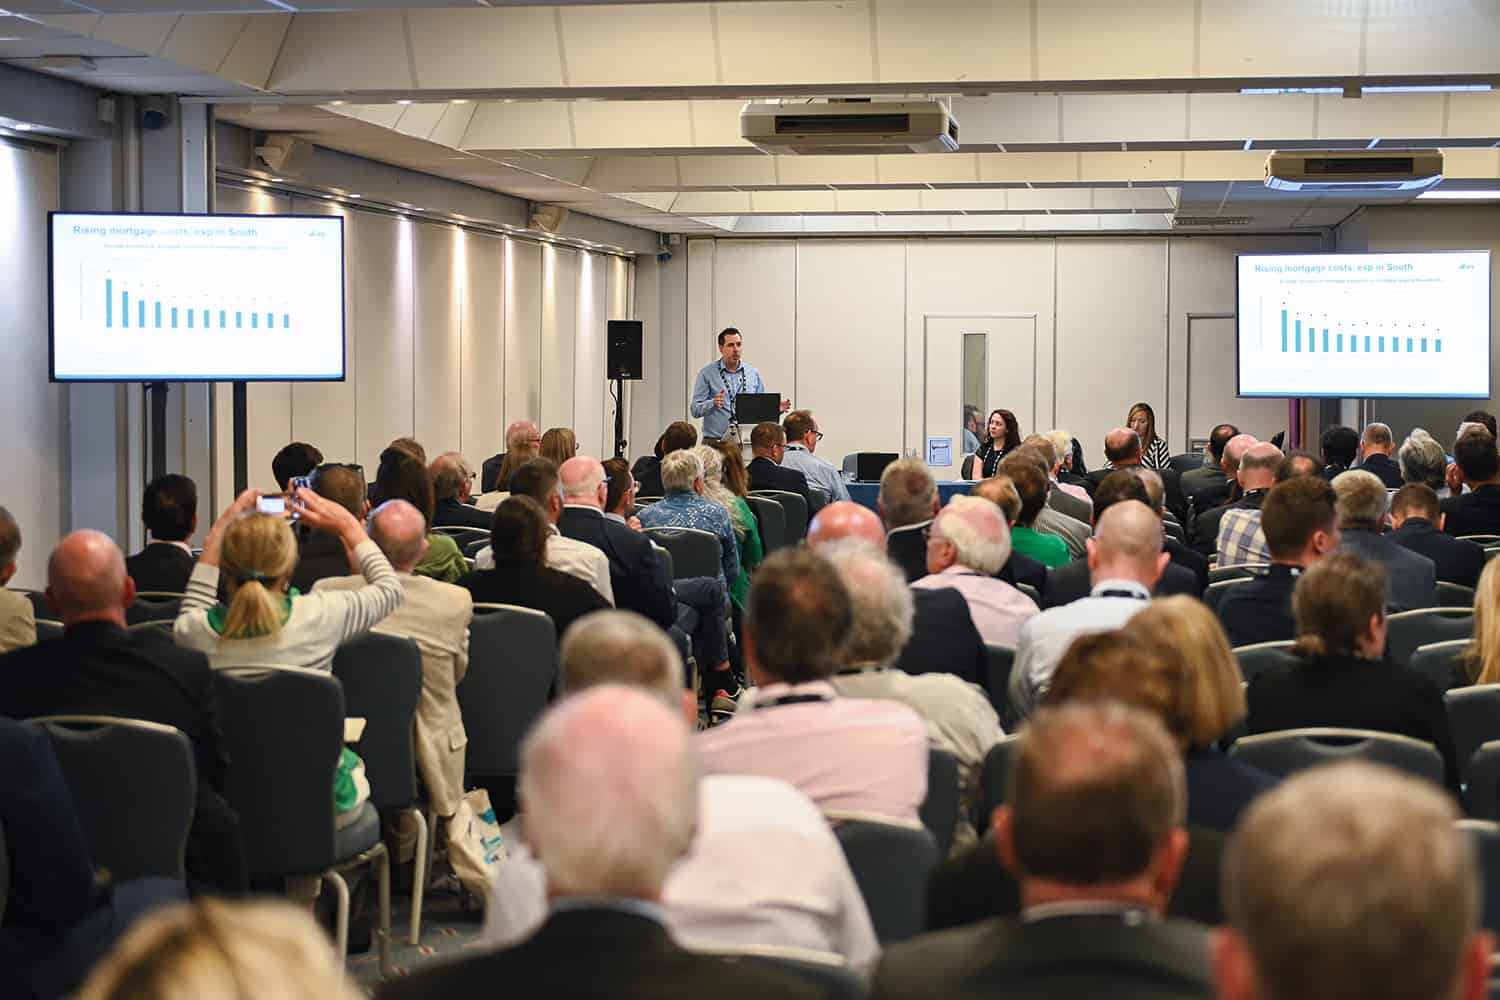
<point>850,127</point>
<point>1180,221</point>
<point>1345,170</point>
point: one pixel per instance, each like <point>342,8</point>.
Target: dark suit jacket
<point>907,546</point>
<point>1382,466</point>
<point>452,513</point>
<point>98,668</point>
<point>943,637</point>
<point>1455,560</point>
<point>1171,483</point>
<point>767,475</point>
<point>972,885</point>
<point>1206,479</point>
<point>647,475</point>
<point>564,598</point>
<point>1070,581</point>
<point>1205,534</point>
<point>1411,579</point>
<point>319,556</point>
<point>489,472</point>
<point>1056,958</point>
<point>1259,610</point>
<point>591,953</point>
<point>635,571</point>
<point>1476,513</point>
<point>1194,562</point>
<point>1021,568</point>
<point>1352,693</point>
<point>1219,789</point>
<point>160,566</point>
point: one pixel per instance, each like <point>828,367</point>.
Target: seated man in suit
<point>1301,906</point>
<point>1361,506</point>
<point>943,636</point>
<point>99,667</point>
<point>1048,520</point>
<point>1417,520</point>
<point>522,440</point>
<point>1375,447</point>
<point>1301,526</point>
<point>1207,486</point>
<point>17,616</point>
<point>768,445</point>
<point>169,510</point>
<point>1339,446</point>
<point>296,459</point>
<point>1204,534</point>
<point>849,755</point>
<point>1476,465</point>
<point>1019,568</point>
<point>1193,562</point>
<point>611,792</point>
<point>967,545</point>
<point>1064,501</point>
<point>1092,827</point>
<point>321,554</point>
<point>436,616</point>
<point>763,870</point>
<point>452,480</point>
<point>1062,450</point>
<point>1424,461</point>
<point>907,503</point>
<point>636,573</point>
<point>1066,584</point>
<point>1240,540</point>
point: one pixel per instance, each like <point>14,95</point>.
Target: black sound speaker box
<point>624,349</point>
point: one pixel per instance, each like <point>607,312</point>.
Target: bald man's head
<point>1122,446</point>
<point>1258,466</point>
<point>400,531</point>
<point>86,579</point>
<point>1127,545</point>
<point>1234,451</point>
<point>582,481</point>
<point>845,519</point>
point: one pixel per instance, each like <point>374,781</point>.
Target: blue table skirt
<point>865,494</point>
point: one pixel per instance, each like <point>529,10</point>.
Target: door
<point>972,365</point>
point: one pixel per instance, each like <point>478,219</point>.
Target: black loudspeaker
<point>624,350</point>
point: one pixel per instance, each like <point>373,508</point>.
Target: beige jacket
<point>436,616</point>
<point>17,621</point>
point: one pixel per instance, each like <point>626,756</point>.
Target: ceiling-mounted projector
<point>850,127</point>
<point>1354,170</point>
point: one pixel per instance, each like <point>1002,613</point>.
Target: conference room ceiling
<point>1075,115</point>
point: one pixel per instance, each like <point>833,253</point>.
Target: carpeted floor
<point>446,932</point>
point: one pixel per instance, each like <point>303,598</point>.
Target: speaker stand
<point>620,442</point>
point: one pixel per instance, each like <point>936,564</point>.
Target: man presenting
<point>720,383</point>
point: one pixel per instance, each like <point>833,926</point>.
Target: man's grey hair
<point>1155,488</point>
<point>977,530</point>
<point>1423,459</point>
<point>1362,498</point>
<point>1062,443</point>
<point>883,605</point>
<point>620,647</point>
<point>679,470</point>
<point>450,472</point>
<point>585,487</point>
<point>907,490</point>
<point>1466,426</point>
<point>1352,880</point>
<point>1377,434</point>
<point>609,787</point>
<point>10,539</point>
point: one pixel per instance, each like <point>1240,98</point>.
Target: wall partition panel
<point>380,260</point>
<point>559,315</point>
<point>523,331</point>
<point>593,413</point>
<point>481,378</point>
<point>439,276</point>
<point>326,414</point>
<point>755,291</point>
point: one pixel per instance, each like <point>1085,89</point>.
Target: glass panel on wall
<point>975,382</point>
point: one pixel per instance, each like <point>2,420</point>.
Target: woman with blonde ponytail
<point>266,621</point>
<point>1339,675</point>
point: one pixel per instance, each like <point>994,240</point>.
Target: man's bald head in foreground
<point>1127,545</point>
<point>86,579</point>
<point>400,531</point>
<point>581,479</point>
<point>845,519</point>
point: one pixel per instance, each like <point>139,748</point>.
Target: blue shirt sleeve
<point>703,395</point>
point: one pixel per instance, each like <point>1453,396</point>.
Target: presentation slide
<point>197,297</point>
<point>1365,325</point>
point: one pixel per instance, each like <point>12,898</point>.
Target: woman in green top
<point>746,532</point>
<point>402,477</point>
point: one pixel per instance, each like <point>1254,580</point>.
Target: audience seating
<point>284,731</point>
<point>1030,592</point>
<point>1262,656</point>
<point>998,661</point>
<point>940,809</point>
<point>164,626</point>
<point>694,552</point>
<point>382,679</point>
<point>1186,462</point>
<point>1473,718</point>
<point>1215,591</point>
<point>1454,595</point>
<point>1482,782</point>
<point>770,519</point>
<point>1174,531</point>
<point>4,873</point>
<point>1486,838</point>
<point>827,975</point>
<point>153,606</point>
<point>1490,551</point>
<point>39,609</point>
<point>1296,749</point>
<point>1442,663</point>
<point>796,512</point>
<point>512,673</point>
<point>472,549</point>
<point>1410,629</point>
<point>645,501</point>
<point>1483,541</point>
<point>1245,571</point>
<point>992,775</point>
<point>891,864</point>
<point>134,785</point>
<point>46,629</point>
<point>463,534</point>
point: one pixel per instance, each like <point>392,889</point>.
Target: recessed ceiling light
<point>356,196</point>
<point>403,102</point>
<point>22,126</point>
<point>1460,195</point>
<point>461,100</point>
<point>338,104</point>
<point>276,180</point>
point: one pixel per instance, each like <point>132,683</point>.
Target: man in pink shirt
<point>854,757</point>
<point>966,546</point>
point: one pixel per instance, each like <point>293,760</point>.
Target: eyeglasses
<point>819,434</point>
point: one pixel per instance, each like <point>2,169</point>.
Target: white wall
<point>837,325</point>
<point>450,335</point>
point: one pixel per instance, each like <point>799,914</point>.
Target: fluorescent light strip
<point>1261,91</point>
<point>1433,88</point>
<point>1460,195</point>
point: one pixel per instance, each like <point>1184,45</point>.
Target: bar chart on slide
<point>151,313</point>
<point>1364,325</point>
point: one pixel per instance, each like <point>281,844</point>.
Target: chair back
<point>1186,462</point>
<point>1030,592</point>
<point>1244,571</point>
<point>1263,656</point>
<point>134,786</point>
<point>939,810</point>
<point>1473,718</point>
<point>1482,782</point>
<point>1296,749</point>
<point>164,627</point>
<point>4,872</point>
<point>284,735</point>
<point>512,672</point>
<point>382,679</point>
<point>46,629</point>
<point>992,775</point>
<point>694,552</point>
<point>645,501</point>
<point>473,548</point>
<point>1485,835</point>
<point>1442,663</point>
<point>1454,595</point>
<point>1410,629</point>
<point>830,979</point>
<point>998,661</point>
<point>1481,540</point>
<point>1174,531</point>
<point>891,864</point>
<point>38,601</point>
<point>770,518</point>
<point>796,512</point>
<point>153,606</point>
<point>463,534</point>
<point>966,467</point>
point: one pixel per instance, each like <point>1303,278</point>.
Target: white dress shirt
<point>998,609</point>
<point>764,870</point>
<point>1046,637</point>
<point>818,473</point>
<point>570,556</point>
